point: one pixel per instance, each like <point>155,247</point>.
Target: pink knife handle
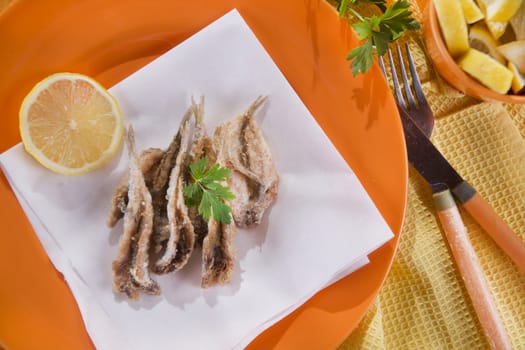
<point>487,218</point>
<point>470,270</point>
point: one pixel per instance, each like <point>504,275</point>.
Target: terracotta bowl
<point>449,70</point>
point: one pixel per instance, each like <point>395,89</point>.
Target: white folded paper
<point>321,227</point>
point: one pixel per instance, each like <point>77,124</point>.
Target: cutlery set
<point>418,121</point>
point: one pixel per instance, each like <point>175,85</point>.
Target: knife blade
<point>438,172</point>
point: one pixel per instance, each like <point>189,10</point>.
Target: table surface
<point>423,303</point>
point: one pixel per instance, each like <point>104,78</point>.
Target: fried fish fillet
<point>181,240</point>
<point>218,250</point>
<point>130,269</point>
<point>149,160</point>
<point>253,180</point>
<point>201,147</point>
<point>161,182</point>
<point>151,200</point>
<point>218,254</point>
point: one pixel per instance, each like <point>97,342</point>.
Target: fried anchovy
<point>160,185</point>
<point>130,269</point>
<point>181,238</point>
<point>218,254</point>
<point>201,147</point>
<point>253,179</point>
<point>148,162</point>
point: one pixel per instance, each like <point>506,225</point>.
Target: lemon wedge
<point>453,27</point>
<point>480,39</point>
<point>70,124</point>
<point>515,53</point>
<point>471,11</point>
<point>507,36</point>
<point>496,28</point>
<point>486,70</point>
<point>518,80</point>
<point>517,22</point>
<point>501,10</point>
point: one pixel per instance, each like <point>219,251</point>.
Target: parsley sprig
<point>206,191</point>
<point>377,31</point>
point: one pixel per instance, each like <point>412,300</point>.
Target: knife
<point>438,172</point>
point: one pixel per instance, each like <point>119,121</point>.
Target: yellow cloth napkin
<point>423,303</point>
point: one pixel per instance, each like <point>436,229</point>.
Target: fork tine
<point>382,66</point>
<point>404,75</point>
<point>397,87</point>
<point>428,124</point>
<point>419,110</point>
<point>415,78</point>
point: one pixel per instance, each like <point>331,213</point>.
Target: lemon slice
<point>70,124</point>
<point>471,11</point>
<point>486,70</point>
<point>453,27</point>
<point>517,22</point>
<point>501,10</point>
<point>514,52</point>
<point>480,39</point>
<point>518,80</point>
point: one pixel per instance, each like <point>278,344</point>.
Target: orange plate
<point>110,40</point>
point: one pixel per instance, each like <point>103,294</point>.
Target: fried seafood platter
<point>189,199</point>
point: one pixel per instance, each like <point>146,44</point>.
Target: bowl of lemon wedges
<point>478,46</point>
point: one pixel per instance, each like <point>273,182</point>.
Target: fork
<point>418,109</point>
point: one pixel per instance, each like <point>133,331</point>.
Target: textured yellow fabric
<point>423,303</point>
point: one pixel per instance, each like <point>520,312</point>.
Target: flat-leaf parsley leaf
<point>206,191</point>
<point>377,31</point>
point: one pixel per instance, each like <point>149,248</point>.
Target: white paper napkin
<point>321,227</point>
